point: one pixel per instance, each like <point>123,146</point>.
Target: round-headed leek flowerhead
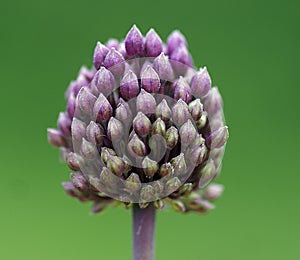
<point>143,126</point>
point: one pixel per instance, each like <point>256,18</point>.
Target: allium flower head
<point>143,125</point>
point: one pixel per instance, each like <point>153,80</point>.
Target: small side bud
<point>99,54</point>
<point>171,137</point>
<point>56,138</point>
<point>102,109</point>
<point>123,112</point>
<point>141,124</point>
<point>218,138</point>
<point>178,206</point>
<point>196,109</point>
<point>115,129</point>
<point>180,112</point>
<point>74,161</point>
<point>213,191</point>
<point>115,62</point>
<point>163,111</point>
<point>153,44</point>
<point>134,42</point>
<point>208,173</point>
<point>64,124</point>
<point>79,181</point>
<point>106,153</point>
<point>175,40</point>
<point>150,80</point>
<point>95,133</point>
<point>201,83</point>
<point>149,166</point>
<point>85,101</point>
<point>129,86</point>
<point>187,133</point>
<point>163,67</point>
<point>145,103</point>
<point>103,82</point>
<point>136,147</point>
<point>198,154</point>
<point>115,164</point>
<point>78,129</point>
<point>182,90</point>
<point>166,170</point>
<point>159,127</point>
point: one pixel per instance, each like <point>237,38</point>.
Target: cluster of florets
<point>143,126</point>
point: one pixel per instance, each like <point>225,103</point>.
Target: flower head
<point>143,126</point>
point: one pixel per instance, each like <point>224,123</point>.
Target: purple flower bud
<point>134,42</point>
<point>55,137</point>
<point>153,44</point>
<point>218,138</point>
<point>180,112</point>
<point>102,109</point>
<point>198,154</point>
<point>158,128</point>
<point>103,82</point>
<point>141,124</point>
<point>201,83</point>
<point>86,101</point>
<point>79,181</point>
<point>202,121</point>
<point>166,170</point>
<point>81,81</point>
<point>95,133</point>
<point>115,62</point>
<point>74,161</point>
<point>175,40</point>
<point>98,207</point>
<point>129,86</point>
<point>64,124</point>
<point>71,105</point>
<point>116,165</point>
<point>196,109</point>
<point>150,80</point>
<point>178,206</point>
<point>181,59</point>
<point>145,103</point>
<point>149,166</point>
<point>171,137</point>
<point>115,129</point>
<point>179,164</point>
<point>88,74</point>
<point>207,173</point>
<point>113,43</point>
<point>133,183</point>
<point>123,112</point>
<point>213,101</point>
<point>136,147</point>
<point>106,153</point>
<point>99,54</point>
<point>162,66</point>
<point>182,90</point>
<point>163,111</point>
<point>213,191</point>
<point>173,185</point>
<point>78,129</point>
<point>70,189</point>
<point>187,133</point>
<point>147,194</point>
<point>88,149</point>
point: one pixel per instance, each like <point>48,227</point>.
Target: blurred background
<point>251,49</point>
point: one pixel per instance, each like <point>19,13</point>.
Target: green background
<point>252,51</point>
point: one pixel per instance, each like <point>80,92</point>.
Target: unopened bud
<point>150,80</point>
<point>166,170</point>
<point>115,164</point>
<point>218,138</point>
<point>171,137</point>
<point>196,109</point>
<point>85,101</point>
<point>103,82</point>
<point>187,133</point>
<point>141,124</point>
<point>78,129</point>
<point>153,44</point>
<point>213,101</point>
<point>102,109</point>
<point>123,112</point>
<point>115,129</point>
<point>64,124</point>
<point>129,86</point>
<point>208,173</point>
<point>162,66</point>
<point>95,133</point>
<point>133,183</point>
<point>99,54</point>
<point>178,206</point>
<point>213,191</point>
<point>172,185</point>
<point>115,62</point>
<point>147,193</point>
<point>56,138</point>
<point>106,153</point>
<point>74,161</point>
<point>163,111</point>
<point>179,164</point>
<point>198,154</point>
<point>79,181</point>
<point>134,42</point>
<point>201,83</point>
<point>180,112</point>
<point>145,103</point>
<point>159,127</point>
<point>136,147</point>
<point>182,90</point>
<point>149,166</point>
<point>88,149</point>
<point>175,40</point>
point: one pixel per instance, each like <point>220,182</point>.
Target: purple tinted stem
<point>143,232</point>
